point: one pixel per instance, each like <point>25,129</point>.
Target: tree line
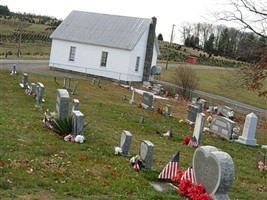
<point>224,41</point>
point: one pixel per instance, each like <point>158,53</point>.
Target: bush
<point>63,126</point>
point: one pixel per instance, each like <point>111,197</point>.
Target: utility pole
<point>21,26</point>
<point>170,46</point>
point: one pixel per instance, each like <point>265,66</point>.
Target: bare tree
<point>186,78</point>
<point>251,15</point>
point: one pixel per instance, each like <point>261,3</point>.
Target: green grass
<point>37,164</point>
<point>213,80</point>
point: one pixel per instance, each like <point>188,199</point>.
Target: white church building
<point>116,47</point>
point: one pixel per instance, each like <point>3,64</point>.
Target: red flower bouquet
<point>186,140</point>
<point>184,187</point>
<point>195,191</point>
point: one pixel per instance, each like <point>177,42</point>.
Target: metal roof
<point>102,29</point>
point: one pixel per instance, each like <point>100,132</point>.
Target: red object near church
<point>192,60</point>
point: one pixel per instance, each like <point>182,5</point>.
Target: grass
<point>213,80</point>
<point>35,163</point>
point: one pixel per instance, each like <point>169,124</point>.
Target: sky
<point>167,12</point>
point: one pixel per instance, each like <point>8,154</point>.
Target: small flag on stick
<point>171,168</point>
<point>189,175</point>
<point>193,142</point>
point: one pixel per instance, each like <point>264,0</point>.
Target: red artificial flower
<point>186,139</point>
<point>195,191</point>
<point>184,186</point>
<point>178,176</point>
<point>204,196</point>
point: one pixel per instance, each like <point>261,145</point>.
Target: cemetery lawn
<point>36,163</point>
<point>218,80</point>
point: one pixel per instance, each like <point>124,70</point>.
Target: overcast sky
<point>167,12</point>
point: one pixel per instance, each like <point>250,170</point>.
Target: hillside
<point>26,34</point>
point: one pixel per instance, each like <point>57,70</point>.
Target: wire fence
<point>216,100</point>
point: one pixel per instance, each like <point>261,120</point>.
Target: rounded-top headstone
<point>214,169</point>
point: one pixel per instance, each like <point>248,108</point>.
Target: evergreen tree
<point>160,37</point>
<point>208,46</point>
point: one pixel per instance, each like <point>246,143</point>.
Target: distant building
<point>117,47</point>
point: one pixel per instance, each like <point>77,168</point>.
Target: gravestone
<point>125,143</point>
<point>24,83</point>
<point>260,161</point>
<point>75,104</point>
<point>33,89</point>
<point>202,103</point>
<point>249,130</point>
<point>156,89</point>
<point>69,84</point>
<point>199,125</point>
<point>147,101</point>
<point>75,88</point>
<point>62,104</point>
<point>192,111</point>
<point>194,101</point>
<point>39,94</point>
<point>14,71</point>
<point>168,110</point>
<point>146,154</point>
<point>222,126</point>
<point>65,81</point>
<point>214,169</point>
<point>224,110</point>
<point>77,122</point>
<point>132,101</point>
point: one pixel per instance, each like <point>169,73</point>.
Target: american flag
<point>171,168</point>
<point>189,175</point>
<point>193,142</point>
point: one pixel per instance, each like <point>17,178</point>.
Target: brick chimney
<point>149,49</point>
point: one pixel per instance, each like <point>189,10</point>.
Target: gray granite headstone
<point>222,126</point>
<point>75,104</point>
<point>24,83</point>
<point>77,122</point>
<point>202,103</point>
<point>214,169</point>
<point>249,130</point>
<point>147,101</point>
<point>132,101</point>
<point>125,143</point>
<point>192,111</point>
<point>33,89</point>
<point>146,153</point>
<point>224,110</point>
<point>199,125</point>
<point>39,94</point>
<point>62,104</point>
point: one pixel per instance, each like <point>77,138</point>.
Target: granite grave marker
<point>214,169</point>
<point>62,104</point>
<point>146,154</point>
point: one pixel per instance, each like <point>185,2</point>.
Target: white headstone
<point>249,130</point>
<point>199,125</point>
<point>214,169</point>
<point>132,101</point>
<point>75,104</point>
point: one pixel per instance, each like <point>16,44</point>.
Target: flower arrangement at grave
<point>186,140</point>
<point>137,163</point>
<point>261,166</point>
<point>188,189</point>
